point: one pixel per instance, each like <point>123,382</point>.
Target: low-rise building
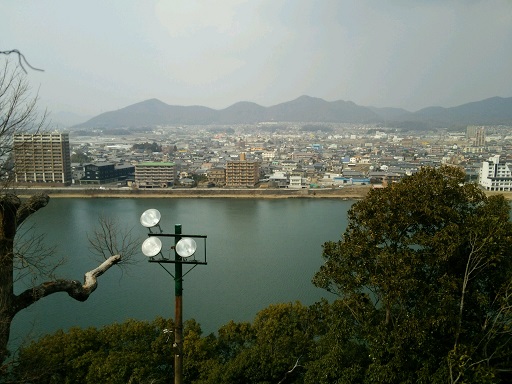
<point>155,175</point>
<point>297,182</point>
<point>278,179</point>
<point>105,173</point>
<point>217,176</point>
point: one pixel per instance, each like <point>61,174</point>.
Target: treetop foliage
<point>425,267</point>
<point>148,147</point>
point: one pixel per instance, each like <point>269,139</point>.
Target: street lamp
<point>184,253</point>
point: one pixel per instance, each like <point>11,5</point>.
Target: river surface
<point>258,252</point>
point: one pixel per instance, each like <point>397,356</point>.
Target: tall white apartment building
<point>496,175</point>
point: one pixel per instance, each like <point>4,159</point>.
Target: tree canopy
<point>424,269</point>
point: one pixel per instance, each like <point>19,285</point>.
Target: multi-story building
<point>471,131</point>
<point>42,158</point>
<point>155,174</point>
<point>476,134</point>
<point>242,173</point>
<point>496,175</point>
<point>217,176</point>
<point>480,137</point>
<point>288,166</point>
<point>297,182</point>
<point>106,173</point>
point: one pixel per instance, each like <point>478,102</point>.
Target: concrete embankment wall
<point>348,192</point>
<point>354,192</point>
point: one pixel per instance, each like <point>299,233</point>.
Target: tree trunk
<point>8,209</point>
<point>6,301</point>
<point>12,214</point>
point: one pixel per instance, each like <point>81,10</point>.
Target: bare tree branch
<point>31,255</point>
<point>21,60</point>
<point>18,114</point>
<point>110,239</point>
<point>296,365</point>
<point>74,289</point>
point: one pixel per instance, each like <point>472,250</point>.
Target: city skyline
<point>99,57</point>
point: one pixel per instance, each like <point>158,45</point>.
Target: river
<point>259,252</point>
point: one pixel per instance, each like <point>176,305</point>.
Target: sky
<point>101,55</point>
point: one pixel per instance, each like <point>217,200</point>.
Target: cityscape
<point>265,156</point>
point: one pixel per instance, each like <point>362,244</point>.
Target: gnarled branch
<point>74,288</point>
<point>21,60</point>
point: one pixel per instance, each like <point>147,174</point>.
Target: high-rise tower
<point>42,158</point>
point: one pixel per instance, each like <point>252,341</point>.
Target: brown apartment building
<point>242,173</point>
<point>42,158</point>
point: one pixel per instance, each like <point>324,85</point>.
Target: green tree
<point>275,349</point>
<point>132,352</point>
<point>148,147</point>
<point>80,157</point>
<point>424,270</point>
<point>338,355</point>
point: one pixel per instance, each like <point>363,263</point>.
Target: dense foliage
<point>425,269</point>
<point>423,276</point>
<point>142,352</point>
<point>147,147</point>
<point>80,157</point>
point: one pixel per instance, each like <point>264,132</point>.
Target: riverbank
<point>352,192</point>
<point>346,193</point>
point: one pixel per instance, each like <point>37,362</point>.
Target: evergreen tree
<point>424,270</point>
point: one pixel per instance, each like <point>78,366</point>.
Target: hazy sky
<point>103,55</point>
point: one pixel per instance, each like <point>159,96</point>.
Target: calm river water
<point>259,252</point>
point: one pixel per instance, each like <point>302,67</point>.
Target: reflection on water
<point>258,251</point>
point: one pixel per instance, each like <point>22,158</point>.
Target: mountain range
<point>153,112</point>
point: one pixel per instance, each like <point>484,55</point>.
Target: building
<point>471,131</point>
<point>242,173</point>
<point>105,173</point>
<point>496,175</point>
<point>476,134</point>
<point>297,182</point>
<point>480,137</point>
<point>217,176</point>
<point>42,158</point>
<point>278,179</point>
<point>155,175</point>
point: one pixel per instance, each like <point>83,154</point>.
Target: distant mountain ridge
<point>495,110</point>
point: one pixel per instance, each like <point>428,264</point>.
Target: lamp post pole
<point>184,247</point>
<point>178,312</point>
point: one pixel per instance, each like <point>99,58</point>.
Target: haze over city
<point>101,56</point>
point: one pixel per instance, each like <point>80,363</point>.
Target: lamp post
<point>184,250</point>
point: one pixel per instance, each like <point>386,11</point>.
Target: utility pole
<point>178,311</point>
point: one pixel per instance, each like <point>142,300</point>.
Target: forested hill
<point>492,111</point>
